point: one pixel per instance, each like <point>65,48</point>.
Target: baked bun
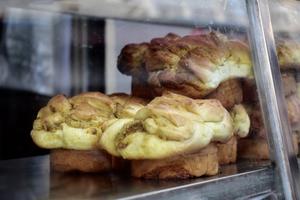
<point>250,94</point>
<point>66,160</point>
<point>293,109</point>
<point>204,162</point>
<point>73,123</point>
<point>192,65</point>
<point>173,124</point>
<point>132,58</point>
<point>288,53</point>
<point>229,93</point>
<point>241,120</point>
<point>253,148</point>
<point>227,152</point>
<point>257,148</point>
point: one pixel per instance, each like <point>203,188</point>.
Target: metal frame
<point>268,78</point>
<point>273,105</point>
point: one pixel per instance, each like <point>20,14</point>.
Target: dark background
<point>19,107</point>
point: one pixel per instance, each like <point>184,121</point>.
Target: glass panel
<point>190,110</point>
<point>284,16</point>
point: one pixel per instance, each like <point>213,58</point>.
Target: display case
<point>211,108</point>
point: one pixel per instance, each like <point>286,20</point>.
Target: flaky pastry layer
<point>127,106</point>
<point>190,65</point>
<point>288,53</point>
<point>73,123</point>
<point>170,125</point>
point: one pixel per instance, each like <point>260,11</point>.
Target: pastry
<point>71,129</point>
<point>171,129</point>
<point>288,53</point>
<point>191,65</point>
<point>229,93</point>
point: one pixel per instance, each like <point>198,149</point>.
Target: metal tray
<point>31,178</point>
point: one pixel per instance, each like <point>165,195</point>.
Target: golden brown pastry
<point>131,59</point>
<point>227,152</point>
<point>293,108</point>
<point>169,133</point>
<point>258,148</point>
<point>127,106</point>
<point>288,53</point>
<point>192,65</point>
<point>71,129</point>
<point>241,120</point>
<point>73,123</point>
<point>250,94</point>
<point>229,93</point>
<point>253,148</point>
<point>174,124</point>
<point>183,166</point>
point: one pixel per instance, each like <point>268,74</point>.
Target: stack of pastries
<point>208,66</point>
<point>186,115</point>
<point>256,146</point>
<point>172,136</point>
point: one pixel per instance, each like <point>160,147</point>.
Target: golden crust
<point>227,152</point>
<point>123,99</point>
<point>127,106</point>
<point>250,94</point>
<point>173,124</point>
<point>75,160</point>
<point>184,166</point>
<point>258,149</point>
<point>241,120</point>
<point>253,148</point>
<point>288,53</point>
<point>293,108</point>
<point>192,65</point>
<point>73,123</point>
<point>229,93</point>
<point>131,58</point>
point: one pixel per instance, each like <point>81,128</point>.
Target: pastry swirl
<point>169,125</point>
<point>192,65</point>
<point>73,123</point>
